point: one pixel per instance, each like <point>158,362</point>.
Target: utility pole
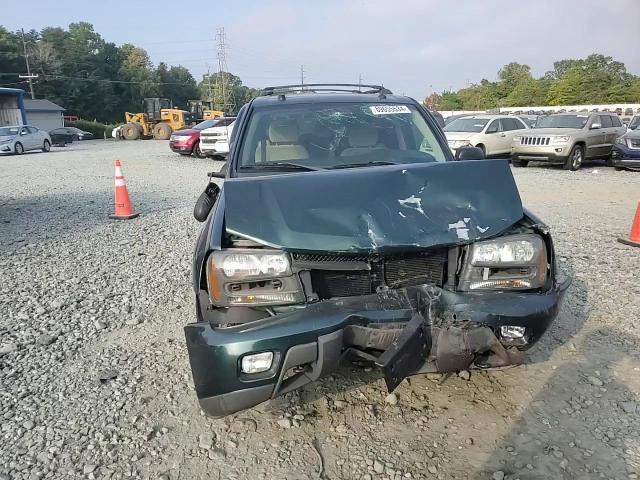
<point>28,76</point>
<point>302,76</point>
<point>359,82</point>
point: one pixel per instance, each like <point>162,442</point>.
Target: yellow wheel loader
<point>158,120</point>
<point>204,110</point>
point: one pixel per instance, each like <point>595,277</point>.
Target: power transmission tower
<point>28,76</point>
<point>223,91</point>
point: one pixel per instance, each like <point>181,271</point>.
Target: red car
<point>187,141</point>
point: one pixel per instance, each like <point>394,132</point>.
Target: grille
<point>402,272</point>
<point>328,258</point>
<point>329,283</point>
<point>394,271</point>
<point>535,141</point>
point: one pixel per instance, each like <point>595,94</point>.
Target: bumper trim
<point>219,406</point>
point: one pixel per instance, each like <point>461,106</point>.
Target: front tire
<point>18,149</point>
<point>574,162</point>
<point>162,131</point>
<point>46,147</point>
<point>130,131</point>
<point>483,148</point>
<point>197,152</point>
<point>519,163</point>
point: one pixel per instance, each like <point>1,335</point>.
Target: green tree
<point>177,84</point>
<point>569,89</point>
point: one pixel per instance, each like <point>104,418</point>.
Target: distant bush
<point>98,129</point>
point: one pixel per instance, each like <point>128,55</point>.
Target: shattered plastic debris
<point>412,202</point>
<point>402,215</point>
<point>482,230</point>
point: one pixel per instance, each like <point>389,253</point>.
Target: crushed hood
<point>375,208</point>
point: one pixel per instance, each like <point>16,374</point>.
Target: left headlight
<point>515,262</point>
<point>560,139</point>
<point>621,141</point>
<point>252,277</point>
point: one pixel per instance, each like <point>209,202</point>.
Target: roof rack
<point>326,87</point>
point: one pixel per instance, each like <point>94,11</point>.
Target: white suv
<point>214,141</point>
<point>491,133</point>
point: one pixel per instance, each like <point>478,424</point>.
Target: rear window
<point>339,135</point>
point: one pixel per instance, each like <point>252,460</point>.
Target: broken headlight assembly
<point>251,277</point>
<point>514,262</point>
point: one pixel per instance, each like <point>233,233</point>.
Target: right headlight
<point>514,262</point>
<point>252,277</point>
<point>621,141</point>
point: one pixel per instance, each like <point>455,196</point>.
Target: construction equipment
<point>157,120</point>
<point>204,110</point>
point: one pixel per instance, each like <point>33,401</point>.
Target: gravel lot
<point>94,376</point>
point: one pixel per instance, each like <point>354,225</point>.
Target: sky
<point>413,47</point>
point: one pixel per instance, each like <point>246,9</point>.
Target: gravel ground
<point>94,376</point>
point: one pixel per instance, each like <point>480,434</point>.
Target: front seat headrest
<point>283,132</point>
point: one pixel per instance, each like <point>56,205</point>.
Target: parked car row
<point>565,138</point>
<point>17,139</point>
<point>206,139</point>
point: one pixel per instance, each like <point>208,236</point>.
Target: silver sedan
<point>22,138</point>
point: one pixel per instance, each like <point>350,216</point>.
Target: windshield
<point>562,121</point>
<point>206,124</point>
<point>466,125</point>
<point>635,123</point>
<point>340,135</point>
<point>6,131</point>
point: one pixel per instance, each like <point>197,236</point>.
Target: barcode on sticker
<point>389,109</point>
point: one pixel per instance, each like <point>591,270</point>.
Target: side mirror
<point>24,133</point>
<point>469,153</point>
<point>595,126</point>
<point>205,202</point>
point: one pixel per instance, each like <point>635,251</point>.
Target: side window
<point>494,127</point>
<point>605,121</point>
<point>509,124</point>
<point>616,121</point>
<point>32,129</point>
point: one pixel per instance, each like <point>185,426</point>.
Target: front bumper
<point>547,153</point>
<point>218,147</point>
<point>417,329</point>
<point>625,157</point>
<point>181,147</point>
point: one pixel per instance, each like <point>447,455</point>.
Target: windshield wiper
<point>367,164</point>
<point>280,166</point>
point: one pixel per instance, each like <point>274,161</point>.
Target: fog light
<point>511,332</point>
<point>257,362</point>
<point>513,336</point>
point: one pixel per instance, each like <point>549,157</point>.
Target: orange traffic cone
<point>124,209</point>
<point>634,236</point>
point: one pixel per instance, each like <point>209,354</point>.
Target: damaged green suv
<point>345,226</point>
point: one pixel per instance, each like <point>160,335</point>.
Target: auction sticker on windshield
<point>389,109</point>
